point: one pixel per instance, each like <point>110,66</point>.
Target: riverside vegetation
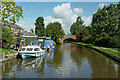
<point>104,31</point>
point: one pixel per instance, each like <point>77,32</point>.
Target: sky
<point>63,12</point>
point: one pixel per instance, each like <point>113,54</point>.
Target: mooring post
<point>14,53</point>
<point>9,55</point>
<point>3,56</point>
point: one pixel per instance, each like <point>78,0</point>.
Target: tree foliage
<point>7,38</point>
<point>10,12</point>
<point>32,30</point>
<point>76,26</point>
<point>105,25</point>
<point>105,21</point>
<point>40,29</point>
<point>83,32</point>
<point>118,6</point>
<point>55,31</point>
<point>79,29</point>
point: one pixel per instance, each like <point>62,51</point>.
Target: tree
<point>82,33</point>
<point>118,6</point>
<point>7,38</point>
<point>55,31</point>
<point>105,21</point>
<point>0,35</point>
<point>10,12</point>
<point>40,29</point>
<point>76,26</point>
<point>105,24</point>
<point>32,30</point>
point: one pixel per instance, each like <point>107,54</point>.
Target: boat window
<point>22,49</point>
<point>36,49</point>
<point>29,49</point>
<point>35,44</point>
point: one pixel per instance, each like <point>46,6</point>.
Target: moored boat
<point>49,45</point>
<point>36,42</point>
<point>30,51</point>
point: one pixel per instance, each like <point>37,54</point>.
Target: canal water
<point>67,61</point>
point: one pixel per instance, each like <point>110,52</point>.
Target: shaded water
<point>68,61</point>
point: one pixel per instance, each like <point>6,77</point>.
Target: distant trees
<point>76,26</point>
<point>55,31</point>
<point>83,32</point>
<point>32,30</point>
<point>40,29</point>
<point>104,29</point>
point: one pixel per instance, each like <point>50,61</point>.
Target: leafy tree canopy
<point>32,30</point>
<point>105,21</point>
<point>76,26</point>
<point>82,33</point>
<point>54,30</point>
<point>10,12</point>
<point>40,29</point>
<point>7,38</point>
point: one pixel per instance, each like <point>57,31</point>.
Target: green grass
<point>106,50</point>
<point>6,51</point>
<point>116,54</point>
<point>117,49</point>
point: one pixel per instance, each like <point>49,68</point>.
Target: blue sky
<point>63,12</point>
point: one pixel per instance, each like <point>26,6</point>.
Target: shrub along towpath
<point>113,53</point>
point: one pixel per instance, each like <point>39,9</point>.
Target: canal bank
<point>115,55</point>
<point>6,57</point>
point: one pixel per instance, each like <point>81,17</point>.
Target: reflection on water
<point>67,61</point>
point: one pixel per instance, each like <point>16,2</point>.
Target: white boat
<point>30,51</point>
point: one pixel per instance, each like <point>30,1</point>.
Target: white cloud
<point>87,20</point>
<point>78,10</point>
<point>49,19</point>
<point>64,15</point>
<point>63,11</point>
<point>101,5</point>
<point>26,25</point>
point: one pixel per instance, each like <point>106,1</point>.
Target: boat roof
<point>35,41</point>
<point>35,46</point>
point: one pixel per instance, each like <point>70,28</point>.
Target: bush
<point>88,39</point>
<point>57,41</point>
<point>115,41</point>
<point>54,43</point>
<point>102,41</point>
<point>82,33</point>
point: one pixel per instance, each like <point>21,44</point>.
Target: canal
<point>67,61</point>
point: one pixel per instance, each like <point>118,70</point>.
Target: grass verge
<point>113,51</point>
<point>6,51</point>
